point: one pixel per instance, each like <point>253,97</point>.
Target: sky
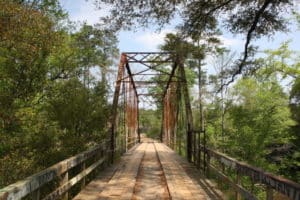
<point>149,39</point>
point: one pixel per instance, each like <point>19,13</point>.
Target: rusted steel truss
<point>174,92</point>
<point>137,73</point>
<point>176,122</point>
<point>150,57</point>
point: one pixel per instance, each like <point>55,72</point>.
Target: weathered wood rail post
<point>269,193</point>
<point>238,182</point>
<point>36,195</point>
<point>64,178</point>
<point>83,182</point>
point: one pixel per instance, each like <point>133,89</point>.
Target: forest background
<point>55,88</point>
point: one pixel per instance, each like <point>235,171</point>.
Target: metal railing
<point>233,172</point>
<point>218,164</point>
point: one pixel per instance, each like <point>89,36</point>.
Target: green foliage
<point>51,106</point>
<point>150,123</point>
<point>261,119</point>
<point>295,100</point>
<point>93,45</point>
<point>297,17</point>
<point>199,19</point>
<point>258,122</point>
<point>77,109</point>
<point>47,111</point>
<point>26,41</point>
<point>199,16</point>
<point>292,164</point>
<point>281,61</point>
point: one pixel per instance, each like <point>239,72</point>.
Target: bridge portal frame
<point>152,61</point>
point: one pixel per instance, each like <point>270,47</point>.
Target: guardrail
<point>59,175</point>
<point>217,163</point>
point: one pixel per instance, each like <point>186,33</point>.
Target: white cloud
<point>152,40</point>
<point>84,11</point>
<point>230,41</point>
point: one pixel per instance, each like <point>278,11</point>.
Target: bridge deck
<point>150,171</point>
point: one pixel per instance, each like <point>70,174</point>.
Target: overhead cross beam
<point>151,60</point>
<point>149,57</point>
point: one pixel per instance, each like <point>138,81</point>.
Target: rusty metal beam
<point>138,121</point>
<point>131,58</point>
<point>144,57</point>
<point>140,73</point>
<point>188,110</point>
<point>171,77</point>
<point>161,71</point>
<point>150,74</point>
<point>149,94</point>
<point>149,61</point>
<point>130,76</point>
<point>150,82</point>
<point>115,105</point>
<point>150,52</point>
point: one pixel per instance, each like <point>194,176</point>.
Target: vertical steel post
<point>204,152</point>
<point>166,107</point>
<point>188,109</point>
<point>179,116</point>
<point>115,105</point>
<point>124,89</point>
<point>162,121</point>
<point>126,115</point>
<point>199,150</point>
<point>138,121</point>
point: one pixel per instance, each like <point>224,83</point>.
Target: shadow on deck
<point>151,170</point>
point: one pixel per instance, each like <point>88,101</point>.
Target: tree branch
<point>248,40</point>
<point>218,7</point>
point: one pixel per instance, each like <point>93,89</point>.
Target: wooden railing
<point>233,172</point>
<point>59,175</point>
<point>216,163</point>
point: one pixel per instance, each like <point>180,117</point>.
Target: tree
<point>94,47</point>
<point>260,119</point>
<point>220,100</point>
<point>293,163</point>
<point>253,19</point>
<point>26,40</point>
<point>281,61</point>
<point>297,17</point>
<point>46,113</point>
